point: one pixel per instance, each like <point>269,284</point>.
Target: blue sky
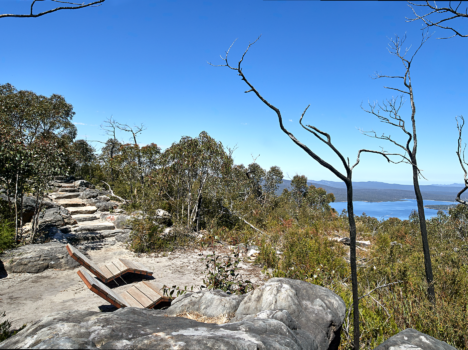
<point>146,62</point>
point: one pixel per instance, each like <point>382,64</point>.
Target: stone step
<point>93,227</point>
<point>67,203</point>
<point>67,185</point>
<point>82,210</point>
<point>92,235</point>
<point>84,217</point>
<point>63,195</point>
<point>65,189</point>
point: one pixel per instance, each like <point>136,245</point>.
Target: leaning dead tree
<point>74,6</point>
<point>452,12</point>
<point>461,159</point>
<point>346,178</point>
<point>392,109</point>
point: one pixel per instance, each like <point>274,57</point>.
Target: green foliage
<point>7,235</point>
<point>221,273</point>
<point>5,329</point>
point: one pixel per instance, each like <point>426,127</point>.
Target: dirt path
<point>29,297</point>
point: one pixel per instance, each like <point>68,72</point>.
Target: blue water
<point>385,210</point>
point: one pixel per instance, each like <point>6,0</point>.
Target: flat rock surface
<point>30,297</point>
<point>73,202</point>
<point>82,210</point>
<point>132,328</point>
<point>64,195</point>
<point>85,217</point>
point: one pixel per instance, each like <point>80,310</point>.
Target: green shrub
<point>7,235</point>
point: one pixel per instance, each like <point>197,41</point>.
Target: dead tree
<point>74,6</point>
<point>392,108</point>
<point>110,127</point>
<point>347,179</point>
<point>461,159</point>
<point>434,9</point>
<point>135,131</point>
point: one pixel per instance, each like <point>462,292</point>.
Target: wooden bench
<point>145,294</point>
<point>108,271</point>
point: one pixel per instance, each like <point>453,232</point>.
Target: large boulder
<point>55,217</point>
<point>35,258</point>
<point>83,184</point>
<point>212,303</point>
<point>411,339</point>
<point>316,310</point>
<point>106,206</point>
<point>132,328</point>
<point>29,205</point>
<point>88,193</point>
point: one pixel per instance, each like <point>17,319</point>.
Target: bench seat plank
<point>131,301</point>
<point>140,297</point>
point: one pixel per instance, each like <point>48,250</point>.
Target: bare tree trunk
<point>425,243</point>
<point>16,208</point>
<point>352,258</point>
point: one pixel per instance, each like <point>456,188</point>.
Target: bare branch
<point>439,10</point>
<point>124,201</point>
<point>74,7</point>
<point>461,158</point>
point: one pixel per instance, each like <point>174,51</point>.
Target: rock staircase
<point>90,223</point>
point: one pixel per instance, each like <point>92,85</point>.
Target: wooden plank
<point>140,297</point>
<point>119,265</point>
<point>83,260</point>
<point>100,289</point>
<point>113,269</point>
<point>157,287</point>
<point>105,272</point>
<point>150,293</point>
<point>135,267</point>
<point>131,301</point>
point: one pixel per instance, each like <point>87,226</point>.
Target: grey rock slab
<point>93,226</point>
<point>411,339</point>
<point>55,217</point>
<point>82,210</point>
<point>29,205</point>
<point>84,217</point>
<point>74,202</point>
<point>209,303</point>
<point>105,206</point>
<point>83,183</point>
<point>92,235</point>
<point>132,328</point>
<point>317,310</point>
<point>64,195</point>
<point>35,258</point>
<point>103,198</point>
<point>67,189</point>
<point>87,194</point>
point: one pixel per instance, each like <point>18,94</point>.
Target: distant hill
<point>373,191</point>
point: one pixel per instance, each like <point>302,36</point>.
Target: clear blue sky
<point>146,62</point>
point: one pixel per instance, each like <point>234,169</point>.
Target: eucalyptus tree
<point>187,169</point>
<point>75,6</point>
<point>346,178</point>
<point>27,121</point>
<point>389,113</point>
<point>453,13</point>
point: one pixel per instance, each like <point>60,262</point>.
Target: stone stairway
<point>89,225</point>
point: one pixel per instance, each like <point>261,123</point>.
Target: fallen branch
<point>114,195</point>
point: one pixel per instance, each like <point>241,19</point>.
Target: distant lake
<point>385,210</point>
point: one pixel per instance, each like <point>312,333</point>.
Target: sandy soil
<point>29,297</point>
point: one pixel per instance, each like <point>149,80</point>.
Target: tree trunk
<point>352,250</point>
<point>425,243</point>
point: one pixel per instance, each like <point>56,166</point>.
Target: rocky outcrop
<point>213,303</point>
<point>87,194</point>
<point>414,340</point>
<point>317,310</point>
<point>36,258</point>
<point>106,206</point>
<point>132,328</point>
<point>29,205</point>
<point>273,318</point>
<point>55,217</point>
